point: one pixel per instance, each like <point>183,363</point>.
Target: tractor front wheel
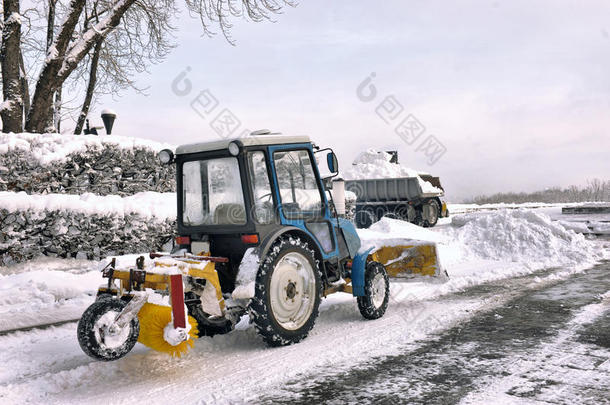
<point>377,292</point>
<point>100,337</point>
<point>287,293</point>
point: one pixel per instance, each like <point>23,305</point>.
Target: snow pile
<point>522,236</point>
<point>529,239</point>
<point>146,204</point>
<point>37,289</point>
<point>47,291</point>
<point>394,232</point>
<point>374,164</point>
<point>47,148</point>
<point>388,232</point>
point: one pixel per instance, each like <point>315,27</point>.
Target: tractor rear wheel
<point>287,293</point>
<point>99,337</point>
<point>377,292</point>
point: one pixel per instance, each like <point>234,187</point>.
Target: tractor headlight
<point>234,149</point>
<point>166,156</point>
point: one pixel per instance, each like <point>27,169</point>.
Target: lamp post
<point>108,116</point>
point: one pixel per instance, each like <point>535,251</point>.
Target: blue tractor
<point>259,233</point>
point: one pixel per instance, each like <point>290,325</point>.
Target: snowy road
<point>435,339</point>
<point>550,342</point>
<point>538,336</point>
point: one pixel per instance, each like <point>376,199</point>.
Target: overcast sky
<point>517,92</point>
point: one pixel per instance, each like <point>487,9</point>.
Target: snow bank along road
<point>515,266</point>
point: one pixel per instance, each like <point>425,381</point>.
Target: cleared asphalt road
<point>548,343</point>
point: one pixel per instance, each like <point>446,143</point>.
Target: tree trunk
<point>52,125</point>
<point>11,109</point>
<point>90,88</point>
<point>51,24</point>
<point>47,85</point>
<point>25,87</point>
<point>57,111</point>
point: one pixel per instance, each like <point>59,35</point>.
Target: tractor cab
<point>244,193</point>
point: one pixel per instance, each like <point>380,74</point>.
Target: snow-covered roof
<point>246,141</point>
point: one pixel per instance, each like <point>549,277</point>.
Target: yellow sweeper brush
<point>153,321</point>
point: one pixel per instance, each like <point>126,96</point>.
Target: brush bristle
<point>153,319</point>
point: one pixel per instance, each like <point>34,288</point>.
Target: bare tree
<point>63,57</point>
<point>144,37</point>
<point>91,83</point>
<point>595,190</point>
<point>69,46</point>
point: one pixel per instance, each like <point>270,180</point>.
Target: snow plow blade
<point>410,261</point>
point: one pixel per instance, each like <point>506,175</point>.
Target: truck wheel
<point>287,293</point>
<point>98,338</point>
<point>430,212</point>
<point>365,218</point>
<point>377,291</point>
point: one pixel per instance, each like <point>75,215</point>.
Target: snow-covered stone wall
<point>28,233</point>
<point>103,165</point>
<point>83,196</point>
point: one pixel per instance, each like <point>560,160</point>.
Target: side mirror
<point>333,163</point>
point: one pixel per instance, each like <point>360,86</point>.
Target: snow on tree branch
<point>84,44</point>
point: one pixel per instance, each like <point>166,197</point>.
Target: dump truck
<point>405,198</point>
<point>259,235</point>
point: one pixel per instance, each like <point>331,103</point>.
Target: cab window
<point>299,192</point>
<point>263,211</point>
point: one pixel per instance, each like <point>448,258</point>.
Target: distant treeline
<point>595,190</point>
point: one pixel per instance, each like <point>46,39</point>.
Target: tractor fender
<point>248,268</point>
<point>266,244</point>
<point>358,269</point>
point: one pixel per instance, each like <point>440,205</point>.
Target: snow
<point>461,208</point>
<point>146,204</point>
<point>5,106</point>
<point>522,236</point>
<point>48,148</point>
<point>175,336</point>
<point>350,196</point>
<point>80,45</point>
<point>427,187</point>
<point>563,359</point>
<point>48,366</point>
<point>601,227</point>
<point>46,291</point>
<point>579,227</point>
<point>388,228</point>
<point>244,285</point>
<point>51,53</point>
<point>374,164</point>
<point>13,18</point>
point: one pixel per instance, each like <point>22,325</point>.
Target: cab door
<point>299,193</point>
